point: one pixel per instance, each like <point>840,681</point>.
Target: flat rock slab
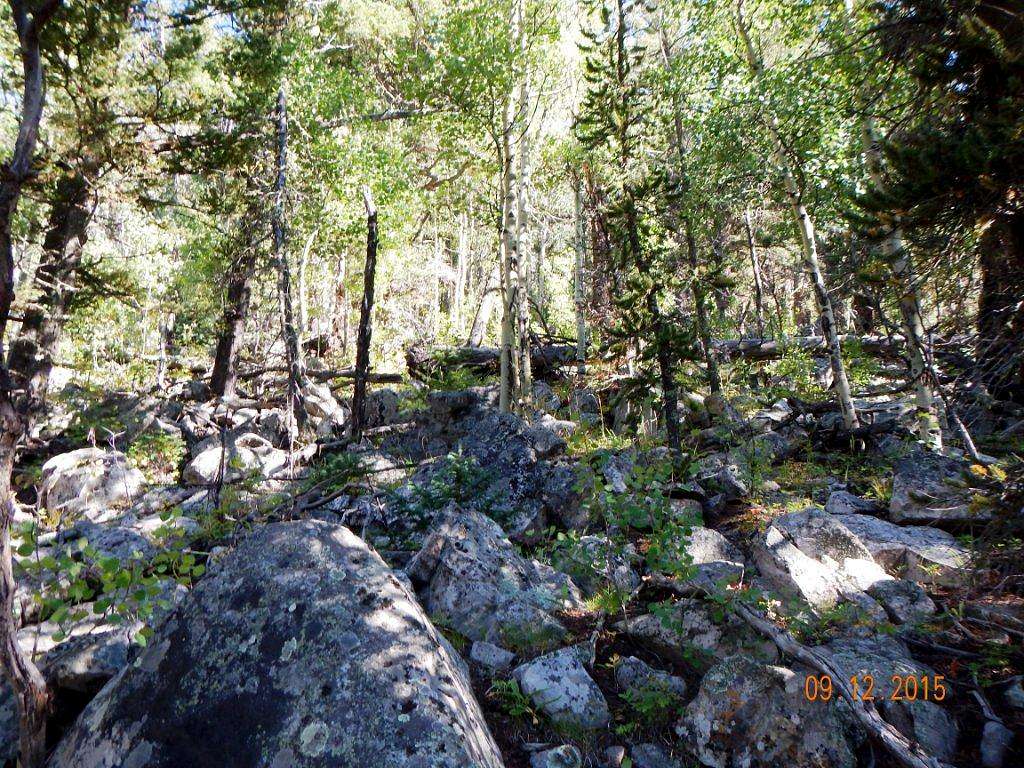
<point>561,687</point>
<point>927,488</point>
<point>302,649</point>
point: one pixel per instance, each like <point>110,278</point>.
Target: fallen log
<point>345,373</point>
<point>758,349</point>
<point>424,363</point>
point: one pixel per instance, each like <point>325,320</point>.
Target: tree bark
<point>55,281</point>
<point>509,271</point>
<point>293,351</point>
<point>365,332</point>
<point>18,401</point>
<point>236,310</point>
<point>899,260</point>
<point>755,266</point>
<point>579,281</point>
<point>1000,346</point>
<point>701,315</point>
<point>808,242</point>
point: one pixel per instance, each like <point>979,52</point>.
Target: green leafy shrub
<point>158,455</point>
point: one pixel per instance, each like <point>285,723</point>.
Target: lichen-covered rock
<point>565,756</point>
<point>469,574</point>
<point>595,562</point>
<point>693,633</point>
<point>748,714</point>
<point>89,481</point>
<point>845,503</point>
<point>561,688</point>
<point>303,641</point>
<point>652,756</point>
<point>917,552</point>
<point>929,488</point>
<point>245,454</point>
<point>905,601</point>
<point>635,676</point>
<point>882,656</point>
<point>492,658</point>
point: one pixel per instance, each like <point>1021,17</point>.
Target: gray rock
<point>89,481</point>
<point>928,488</point>
<point>547,435</point>
<point>246,454</point>
<point>905,601</point>
<point>845,503</point>
<point>545,398</point>
<point>560,687</point>
<point>1014,693</point>
<point>920,553</point>
<point>748,714</point>
<point>706,545</point>
<point>881,657</point>
<point>995,740</point>
<point>304,641</point>
<point>721,476</point>
<point>614,756</point>
<point>86,663</point>
<point>652,756</point>
<point>469,573</point>
<point>8,725</point>
<point>689,634</point>
<point>496,660</point>
<point>638,677</point>
<point>566,756</point>
<point>793,557</point>
<point>584,401</point>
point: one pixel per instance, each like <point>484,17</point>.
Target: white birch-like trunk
<point>579,281</point>
<point>808,242</point>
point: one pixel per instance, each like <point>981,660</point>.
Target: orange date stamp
<point>863,687</point>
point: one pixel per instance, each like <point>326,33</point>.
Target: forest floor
<point>592,584</point>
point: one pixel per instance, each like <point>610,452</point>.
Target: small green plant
<point>654,704</point>
<point>337,471</point>
<point>456,478</point>
<point>512,701</point>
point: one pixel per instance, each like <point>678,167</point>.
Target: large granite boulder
<point>471,578</point>
<point>304,642</point>
<point>243,455</point>
<point>90,481</point>
<point>929,488</point>
<point>748,714</point>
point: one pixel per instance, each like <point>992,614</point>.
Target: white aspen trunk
<point>507,369</point>
<point>808,242</point>
<point>461,267</point>
<point>755,266</point>
<point>899,261</point>
<point>435,282</point>
<point>303,328</point>
<point>521,304</point>
<point>579,282</point>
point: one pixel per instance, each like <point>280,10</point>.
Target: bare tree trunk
<point>899,261</point>
<point>579,282</point>
<point>509,272</point>
<point>491,294</point>
<point>525,384</point>
<point>303,328</point>
<point>293,351</point>
<point>808,241</point>
<point>365,332</point>
<point>56,280</point>
<point>461,267</point>
<point>236,311</point>
<point>701,315</point>
<point>18,400</point>
<point>755,265</point>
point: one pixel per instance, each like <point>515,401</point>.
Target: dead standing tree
<point>19,402</point>
<point>365,319</point>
